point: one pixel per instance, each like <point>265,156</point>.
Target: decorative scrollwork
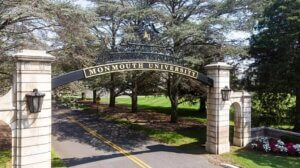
<point>141,52</point>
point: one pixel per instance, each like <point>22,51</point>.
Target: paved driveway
<point>78,148</point>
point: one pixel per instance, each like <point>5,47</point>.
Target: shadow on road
<point>151,149</point>
<point>63,129</point>
<point>128,139</point>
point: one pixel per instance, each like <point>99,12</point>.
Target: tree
<point>108,28</point>
<point>33,24</point>
<point>18,22</point>
<point>195,31</point>
<point>73,44</point>
<point>276,52</point>
<point>202,103</point>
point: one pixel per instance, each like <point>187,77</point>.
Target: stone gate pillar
<point>32,137</point>
<point>242,124</point>
<point>217,139</point>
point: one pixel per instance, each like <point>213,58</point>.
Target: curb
<point>226,165</point>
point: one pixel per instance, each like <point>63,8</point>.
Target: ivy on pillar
<point>217,139</point>
<point>32,137</point>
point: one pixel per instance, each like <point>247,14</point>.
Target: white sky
<point>237,35</point>
<point>84,3</point>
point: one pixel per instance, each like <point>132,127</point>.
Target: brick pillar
<point>217,139</point>
<point>32,138</point>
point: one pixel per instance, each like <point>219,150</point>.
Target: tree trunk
<point>174,104</point>
<point>112,95</point>
<point>112,98</point>
<point>173,96</point>
<point>297,115</point>
<point>83,96</point>
<point>202,108</point>
<point>94,96</point>
<point>134,95</point>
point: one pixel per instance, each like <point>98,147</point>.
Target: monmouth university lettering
<point>129,66</point>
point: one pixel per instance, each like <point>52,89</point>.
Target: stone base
<point>238,142</point>
<point>217,149</point>
<point>241,142</point>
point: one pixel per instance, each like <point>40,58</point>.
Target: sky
<point>84,3</point>
<point>238,35</point>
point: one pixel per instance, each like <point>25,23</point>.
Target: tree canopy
<point>276,52</point>
<point>56,26</point>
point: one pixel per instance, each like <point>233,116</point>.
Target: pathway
<point>78,148</point>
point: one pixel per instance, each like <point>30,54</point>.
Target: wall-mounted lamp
<point>225,93</point>
<point>34,101</point>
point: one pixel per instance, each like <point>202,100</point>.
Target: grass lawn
<point>56,161</point>
<point>284,127</point>
<point>176,138</point>
<point>194,139</point>
<point>162,104</point>
<point>152,101</point>
<point>252,159</point>
<point>5,157</point>
<point>187,138</point>
<point>5,160</point>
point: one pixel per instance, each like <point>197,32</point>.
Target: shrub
<point>286,139</point>
<point>272,109</point>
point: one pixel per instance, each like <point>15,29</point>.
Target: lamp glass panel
<point>228,94</point>
<point>35,104</point>
<point>29,103</point>
<point>40,103</point>
<point>223,94</point>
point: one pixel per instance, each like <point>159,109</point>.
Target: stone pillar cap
<point>246,94</point>
<point>34,55</point>
<point>218,65</point>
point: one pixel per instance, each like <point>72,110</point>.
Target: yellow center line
<point>108,142</point>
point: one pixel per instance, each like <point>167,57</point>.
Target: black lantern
<point>225,93</point>
<point>34,101</point>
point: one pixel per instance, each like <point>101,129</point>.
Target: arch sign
<point>126,66</point>
<point>129,66</point>
<point>132,57</point>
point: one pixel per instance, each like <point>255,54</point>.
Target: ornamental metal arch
<point>134,57</point>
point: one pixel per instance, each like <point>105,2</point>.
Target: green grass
<point>179,137</point>
<point>252,159</point>
<point>284,127</point>
<point>152,101</point>
<point>162,104</point>
<point>187,138</point>
<point>56,161</point>
<point>5,159</point>
<point>176,138</point>
<point>193,139</point>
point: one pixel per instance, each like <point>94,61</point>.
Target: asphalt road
<point>78,148</point>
